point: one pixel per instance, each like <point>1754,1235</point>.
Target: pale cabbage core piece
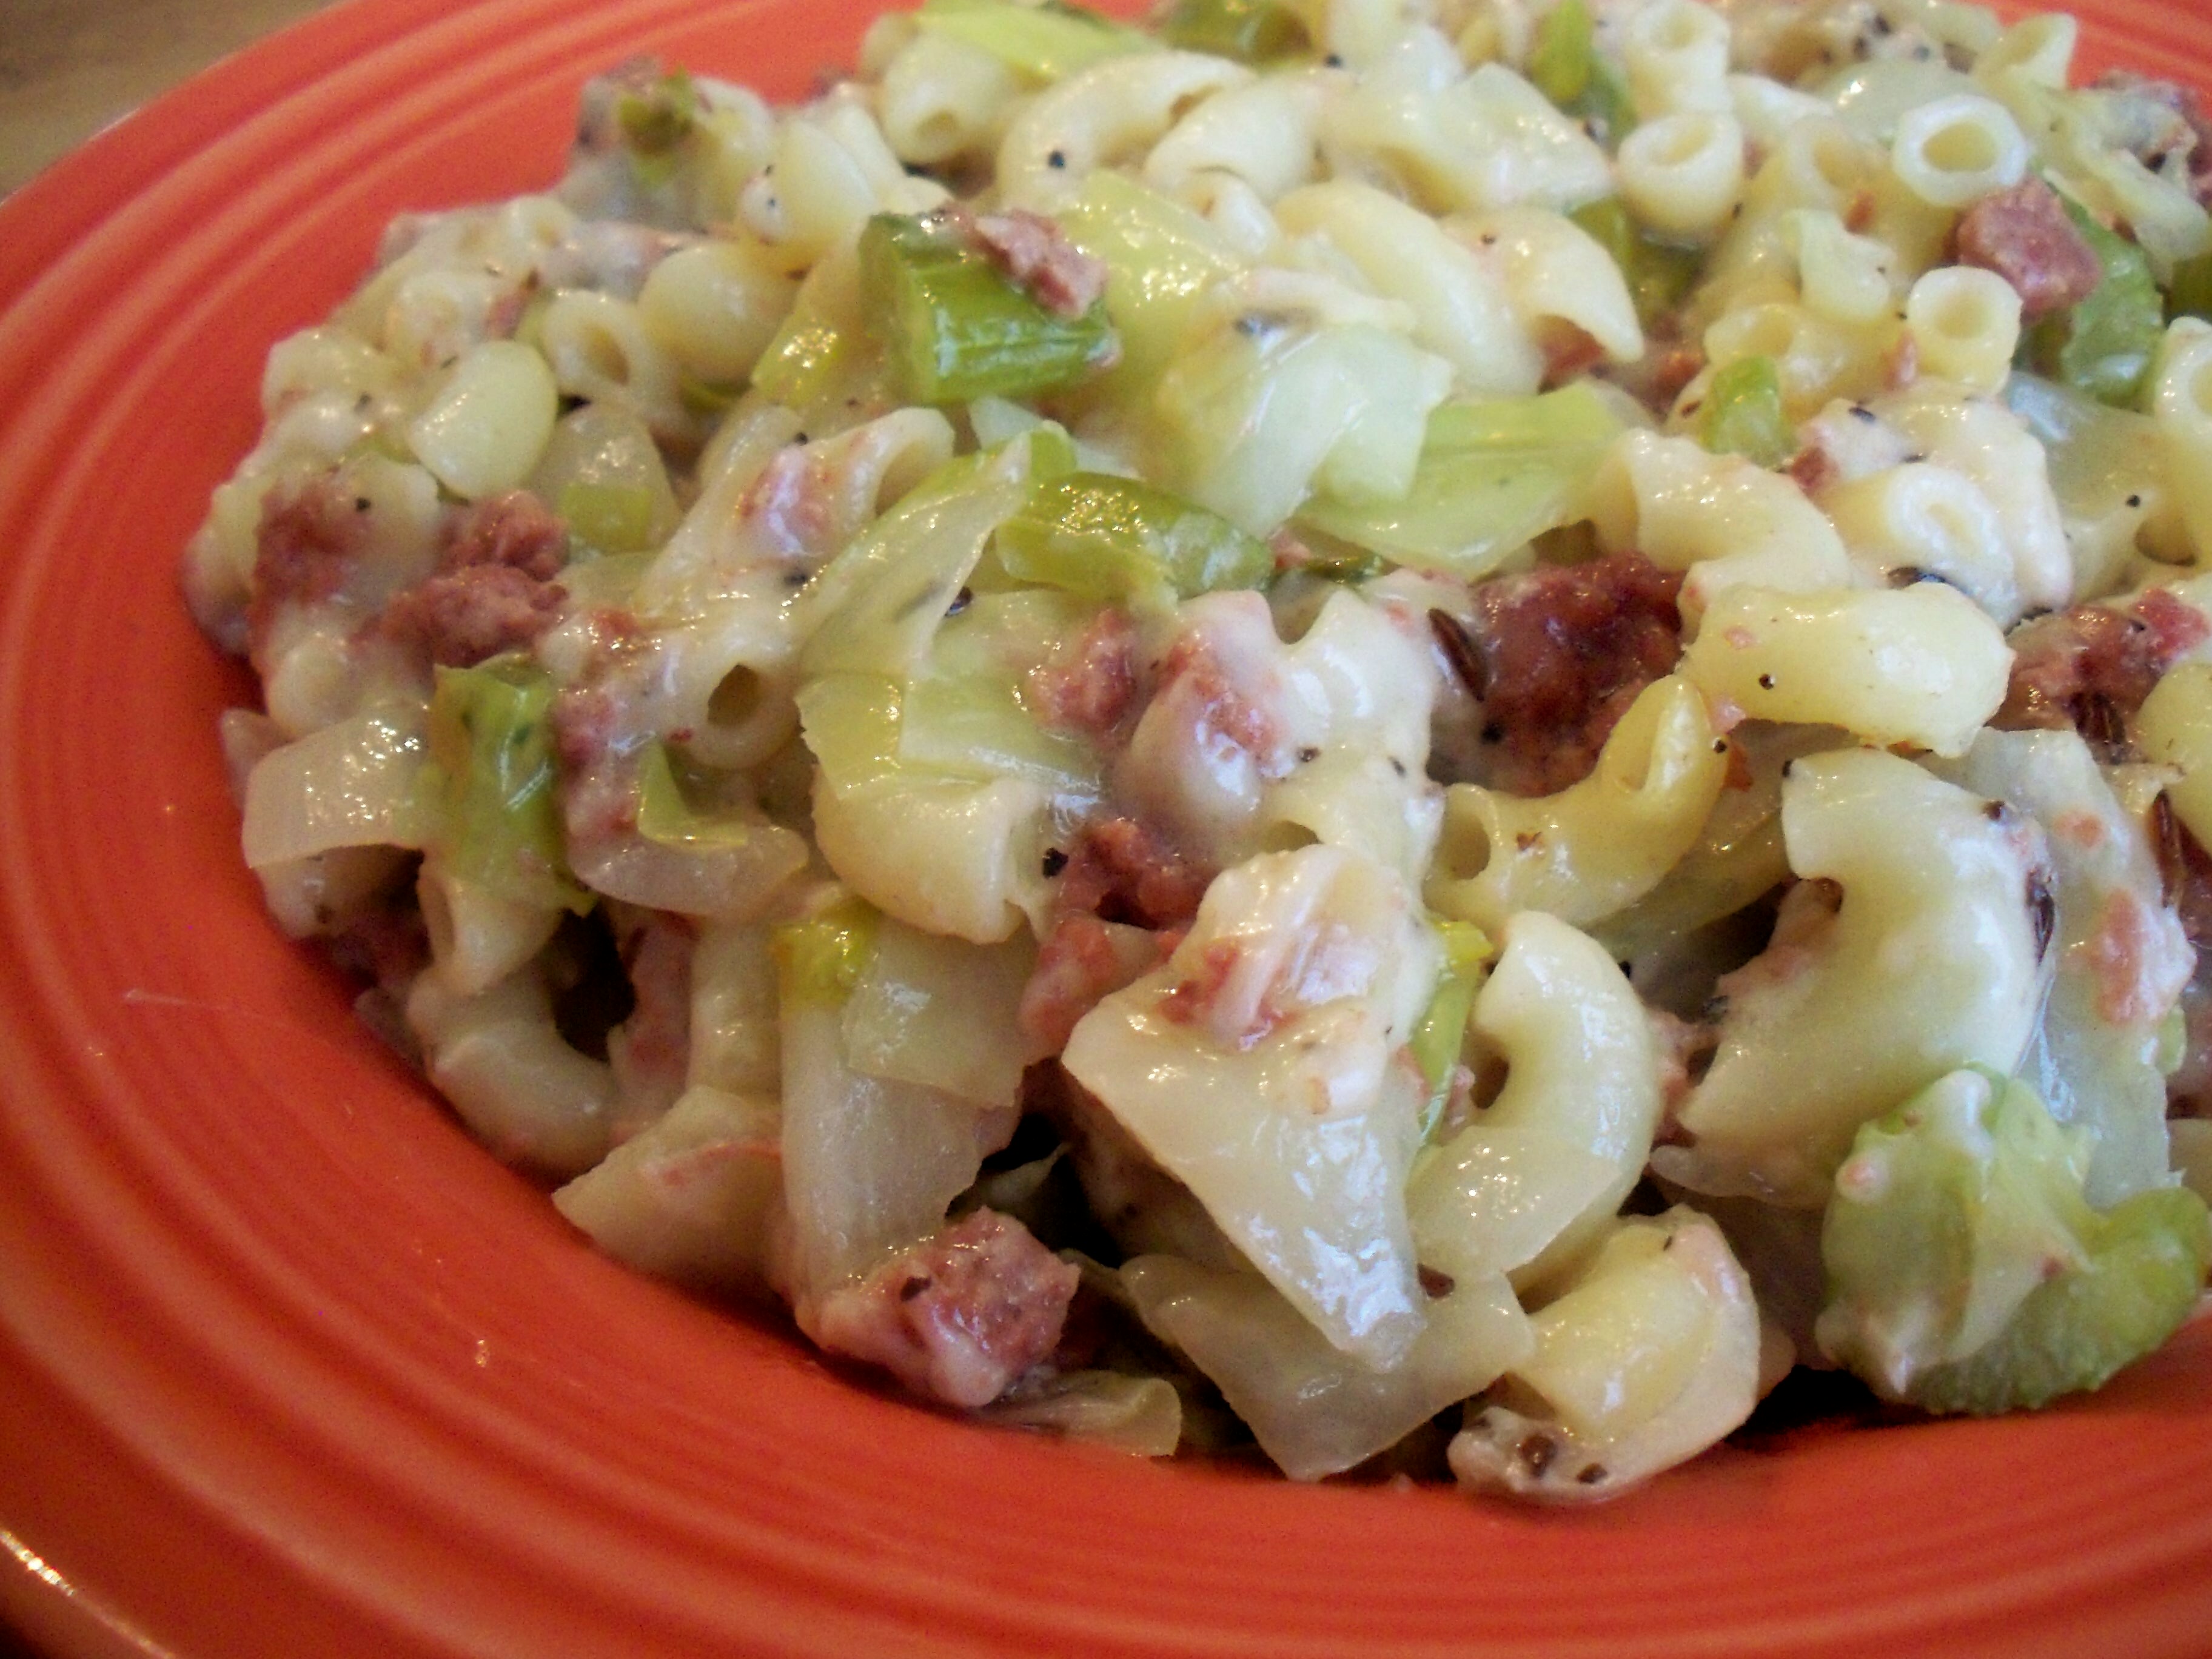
<point>1265,1067</point>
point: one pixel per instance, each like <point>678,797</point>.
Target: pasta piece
<point>1925,521</point>
<point>1719,517</point>
<point>1841,277</point>
<point>1920,665</point>
<point>723,538</point>
<point>951,857</point>
<point>484,431</point>
<point>315,672</point>
<point>1233,211</point>
<point>601,350</point>
<point>1815,358</point>
<point>2181,406</point>
<point>522,1090</point>
<point>1965,324</point>
<point>1600,844</point>
<point>1356,31</point>
<point>321,893</point>
<point>2174,729</point>
<point>1938,946</point>
<point>1676,53</point>
<point>829,168</point>
<point>478,935</point>
<point>326,359</point>
<point>1490,1198</point>
<point>1580,1102</point>
<point>1556,272</point>
<point>1985,443</point>
<point>1099,117</point>
<point>1461,310</point>
<point>1957,150</point>
<point>1649,1357</point>
<point>1489,140</point>
<point>1767,110</point>
<point>2038,49</point>
<point>1250,744</point>
<point>727,657</point>
<point>1265,132</point>
<point>602,474</point>
<point>714,307</point>
<point>1682,174</point>
<point>942,100</point>
<point>1739,856</point>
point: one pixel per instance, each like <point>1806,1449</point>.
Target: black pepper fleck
<point>2042,911</point>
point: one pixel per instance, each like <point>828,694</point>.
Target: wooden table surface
<point>70,67</point>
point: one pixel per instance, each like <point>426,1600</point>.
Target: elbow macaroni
<point>1164,703</point>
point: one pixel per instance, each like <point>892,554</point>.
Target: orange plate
<point>288,1367</point>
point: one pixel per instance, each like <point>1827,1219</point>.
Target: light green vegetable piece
<point>1743,415</point>
<point>821,958</point>
<point>1249,31</point>
<point>953,325</point>
<point>1564,66</point>
<point>1659,273</point>
<point>1046,42</point>
<point>615,518</point>
<point>1438,1038</point>
<point>1104,537</point>
<point>492,773</point>
<point>1560,55</point>
<point>2104,344</point>
<point>824,364</point>
<point>655,122</point>
<point>666,816</point>
<point>1967,1273</point>
<point>2189,293</point>
<point>1493,473</point>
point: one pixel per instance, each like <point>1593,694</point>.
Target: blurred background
<point>70,67</point>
